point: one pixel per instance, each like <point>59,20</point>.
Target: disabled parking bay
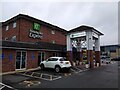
<point>14,81</point>
<point>36,78</point>
<point>6,87</point>
<point>40,75</point>
<point>28,79</point>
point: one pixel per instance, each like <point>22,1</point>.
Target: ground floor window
<point>56,54</point>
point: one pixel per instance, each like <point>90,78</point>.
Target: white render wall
<point>89,40</point>
<point>97,44</point>
<point>69,43</point>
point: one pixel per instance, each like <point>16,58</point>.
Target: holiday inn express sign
<point>36,26</point>
<point>35,33</point>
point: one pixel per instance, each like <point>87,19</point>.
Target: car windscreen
<point>63,59</point>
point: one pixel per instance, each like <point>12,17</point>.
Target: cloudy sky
<point>103,16</point>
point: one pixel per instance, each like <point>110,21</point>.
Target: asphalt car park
<point>30,79</point>
<point>6,87</point>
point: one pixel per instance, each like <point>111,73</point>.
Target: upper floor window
<point>7,27</point>
<point>14,25</point>
<point>53,42</point>
<point>13,38</point>
<point>52,32</point>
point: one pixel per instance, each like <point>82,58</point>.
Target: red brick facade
<point>21,31</point>
<point>32,63</point>
<point>7,63</point>
<point>11,31</point>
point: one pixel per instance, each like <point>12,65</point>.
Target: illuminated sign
<point>36,26</point>
<point>80,34</point>
<point>35,34</point>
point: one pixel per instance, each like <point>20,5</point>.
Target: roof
<point>33,20</point>
<point>27,17</point>
<point>56,57</point>
<point>84,28</point>
<point>117,45</point>
<point>34,46</point>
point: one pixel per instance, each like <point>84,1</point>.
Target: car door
<point>47,63</point>
<point>50,63</point>
<point>53,62</point>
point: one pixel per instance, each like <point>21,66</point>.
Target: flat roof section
<point>85,28</point>
<point>33,46</point>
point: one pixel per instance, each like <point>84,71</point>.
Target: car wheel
<point>42,67</point>
<point>57,69</point>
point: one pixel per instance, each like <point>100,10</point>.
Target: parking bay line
<point>4,85</point>
<point>42,74</point>
<point>78,70</point>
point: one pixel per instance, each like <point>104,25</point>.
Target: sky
<point>102,15</point>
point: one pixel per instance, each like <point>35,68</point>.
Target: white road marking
<point>79,70</point>
<point>41,76</point>
<point>4,85</point>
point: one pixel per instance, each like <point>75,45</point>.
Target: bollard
<point>87,65</point>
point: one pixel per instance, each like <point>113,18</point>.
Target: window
<point>63,59</point>
<point>52,59</point>
<point>7,27</point>
<point>53,42</point>
<point>56,54</point>
<point>49,59</point>
<point>14,24</point>
<point>13,38</point>
<point>52,32</point>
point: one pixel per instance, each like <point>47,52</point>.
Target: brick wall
<point>11,31</point>
<point>22,33</point>
<point>8,62</point>
<point>32,62</point>
<point>26,25</point>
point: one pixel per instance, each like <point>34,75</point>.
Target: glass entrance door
<point>41,57</point>
<point>20,60</point>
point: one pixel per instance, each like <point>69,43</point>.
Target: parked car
<point>116,59</point>
<point>105,59</point>
<point>56,63</point>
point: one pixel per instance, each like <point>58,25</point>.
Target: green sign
<point>36,26</point>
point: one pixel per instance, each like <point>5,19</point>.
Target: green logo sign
<point>36,26</point>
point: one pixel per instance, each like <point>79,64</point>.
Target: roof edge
<point>33,19</point>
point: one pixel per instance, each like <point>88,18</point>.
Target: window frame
<point>14,24</point>
<point>52,32</point>
<point>14,38</point>
<point>7,28</point>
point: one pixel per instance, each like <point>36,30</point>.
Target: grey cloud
<point>101,15</point>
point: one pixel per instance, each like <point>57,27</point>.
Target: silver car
<point>105,59</point>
